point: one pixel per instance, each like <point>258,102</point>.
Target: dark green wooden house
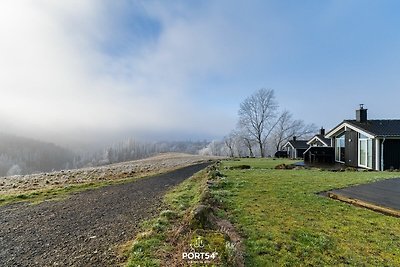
<point>371,144</point>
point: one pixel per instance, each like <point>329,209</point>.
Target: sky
<point>79,71</point>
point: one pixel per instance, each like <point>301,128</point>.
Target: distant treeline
<point>132,150</point>
<point>20,155</point>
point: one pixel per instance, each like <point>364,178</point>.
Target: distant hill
<point>130,149</point>
<point>19,155</point>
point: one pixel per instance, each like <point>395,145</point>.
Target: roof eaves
<point>320,138</point>
<point>350,123</point>
<point>290,143</point>
<point>334,128</point>
<point>360,128</point>
<point>387,135</point>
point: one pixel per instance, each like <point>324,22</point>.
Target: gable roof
<point>379,128</point>
<point>298,144</point>
<point>321,138</point>
<point>375,128</point>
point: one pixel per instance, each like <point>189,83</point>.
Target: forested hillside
<point>19,155</point>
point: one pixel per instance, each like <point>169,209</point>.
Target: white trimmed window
<point>364,151</point>
<point>340,148</point>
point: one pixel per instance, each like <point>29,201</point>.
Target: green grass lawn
<point>285,223</point>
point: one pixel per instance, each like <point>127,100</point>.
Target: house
<point>320,149</point>
<point>295,148</point>
<point>369,144</point>
<point>319,139</point>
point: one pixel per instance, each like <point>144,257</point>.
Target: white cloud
<point>44,75</point>
<point>54,80</point>
<point>57,80</point>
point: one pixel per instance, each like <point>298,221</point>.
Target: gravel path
<point>160,163</point>
<point>84,229</point>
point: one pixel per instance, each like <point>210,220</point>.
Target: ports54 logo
<point>198,253</point>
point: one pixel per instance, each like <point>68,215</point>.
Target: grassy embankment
<point>180,228</point>
<point>285,223</point>
<point>281,218</point>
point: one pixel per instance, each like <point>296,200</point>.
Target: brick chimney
<point>322,131</point>
<point>294,138</point>
<point>361,114</point>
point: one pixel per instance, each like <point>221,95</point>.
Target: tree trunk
<point>239,154</point>
<point>251,152</point>
<point>248,145</point>
<point>261,149</point>
<point>278,146</point>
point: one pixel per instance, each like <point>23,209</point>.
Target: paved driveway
<point>385,193</point>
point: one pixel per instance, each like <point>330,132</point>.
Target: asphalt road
<point>84,229</point>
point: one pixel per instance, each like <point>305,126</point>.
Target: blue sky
<point>179,69</point>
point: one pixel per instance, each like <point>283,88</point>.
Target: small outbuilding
<point>295,148</point>
<point>320,149</point>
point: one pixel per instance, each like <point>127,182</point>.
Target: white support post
<point>377,155</point>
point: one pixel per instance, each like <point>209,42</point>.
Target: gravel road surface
<point>84,229</point>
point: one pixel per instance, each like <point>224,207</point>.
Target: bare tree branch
<point>287,127</point>
<point>229,142</point>
<point>257,114</point>
<point>245,141</point>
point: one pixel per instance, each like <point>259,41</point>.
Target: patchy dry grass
<point>151,246</point>
<point>285,222</point>
<point>176,231</point>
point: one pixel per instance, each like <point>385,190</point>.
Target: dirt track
<point>84,229</point>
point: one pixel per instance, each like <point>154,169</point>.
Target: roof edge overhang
<point>316,138</point>
<point>344,125</point>
<point>288,142</point>
<point>388,136</point>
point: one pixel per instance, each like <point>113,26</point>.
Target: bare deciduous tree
<point>229,142</point>
<point>214,148</point>
<point>246,140</point>
<point>257,114</point>
<point>287,127</point>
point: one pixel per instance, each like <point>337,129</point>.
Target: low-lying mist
<point>21,155</point>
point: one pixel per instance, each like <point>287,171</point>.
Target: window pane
<point>340,148</point>
<point>369,151</point>
<point>337,153</point>
<point>363,152</point>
